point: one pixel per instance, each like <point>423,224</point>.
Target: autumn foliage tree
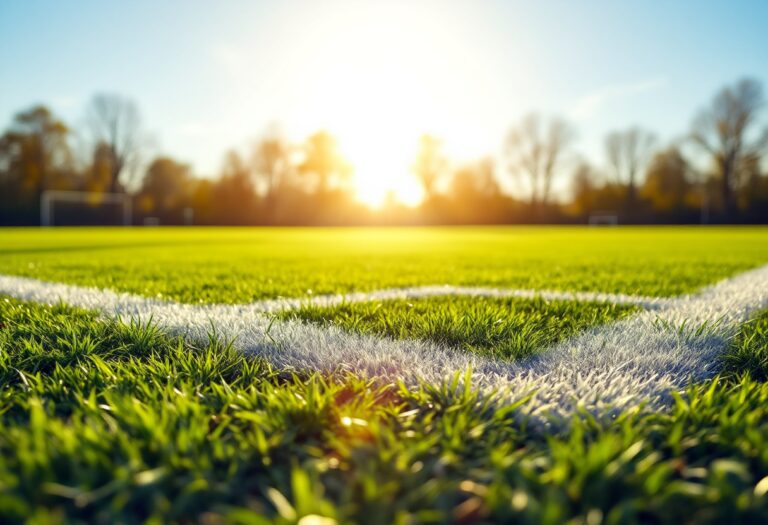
<point>35,156</point>
<point>166,189</point>
<point>668,181</point>
<point>323,165</point>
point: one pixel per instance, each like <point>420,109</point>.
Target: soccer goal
<point>70,208</point>
<point>603,218</point>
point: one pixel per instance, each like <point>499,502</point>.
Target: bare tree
<point>534,151</point>
<point>271,165</point>
<point>115,123</point>
<point>430,164</point>
<point>628,152</point>
<point>270,161</point>
<point>722,131</point>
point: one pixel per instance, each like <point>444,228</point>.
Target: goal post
<point>50,198</point>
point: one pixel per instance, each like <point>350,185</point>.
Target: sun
<point>378,77</point>
<point>380,142</point>
<point>377,119</point>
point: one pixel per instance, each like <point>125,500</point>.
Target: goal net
<point>603,218</point>
<point>81,208</point>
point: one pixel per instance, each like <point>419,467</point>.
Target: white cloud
<point>590,104</point>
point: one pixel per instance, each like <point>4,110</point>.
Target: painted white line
<point>613,367</point>
<point>418,292</point>
<point>124,303</point>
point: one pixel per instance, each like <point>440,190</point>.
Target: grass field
<point>241,265</point>
<point>105,420</point>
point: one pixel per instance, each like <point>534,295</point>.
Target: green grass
<point>102,422</point>
<point>507,328</point>
<point>107,423</point>
<point>240,265</point>
<point>749,351</point>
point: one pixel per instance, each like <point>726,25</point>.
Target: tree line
<point>715,173</point>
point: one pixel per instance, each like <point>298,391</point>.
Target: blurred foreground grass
<point>102,422</point>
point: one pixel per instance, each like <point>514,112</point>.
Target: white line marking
<point>418,292</point>
<point>613,367</point>
<point>99,299</point>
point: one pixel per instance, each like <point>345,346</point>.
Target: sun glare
<point>379,77</point>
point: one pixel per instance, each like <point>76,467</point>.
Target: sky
<point>211,76</point>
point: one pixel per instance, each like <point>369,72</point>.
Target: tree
<point>166,188</point>
<point>323,162</point>
<point>202,200</point>
<point>116,124</point>
<point>98,176</point>
<point>627,153</point>
<point>584,188</point>
<point>234,194</point>
<point>475,180</point>
<point>270,161</point>
<point>535,150</point>
<point>752,184</point>
<point>474,195</point>
<point>723,131</point>
<point>271,166</point>
<point>430,164</point>
<point>35,156</point>
<point>667,181</point>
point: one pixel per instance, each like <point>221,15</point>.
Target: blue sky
<point>208,76</point>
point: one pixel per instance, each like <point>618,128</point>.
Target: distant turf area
<point>243,264</point>
<point>105,420</point>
